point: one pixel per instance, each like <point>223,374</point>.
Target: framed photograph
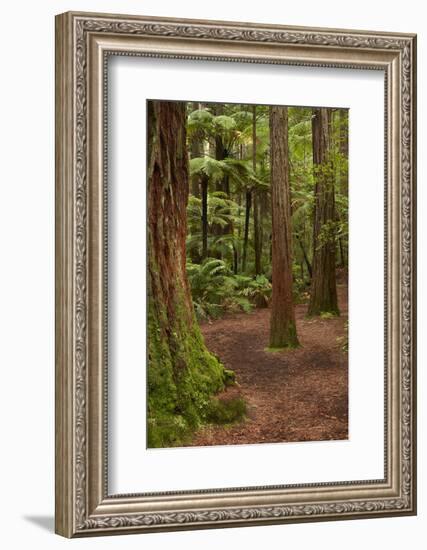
<point>235,274</point>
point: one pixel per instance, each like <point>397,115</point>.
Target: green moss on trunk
<point>182,374</point>
<point>182,377</point>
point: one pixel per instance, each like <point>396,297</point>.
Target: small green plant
<point>226,411</point>
<point>327,315</point>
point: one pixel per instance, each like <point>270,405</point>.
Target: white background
<point>131,81</point>
<point>27,275</point>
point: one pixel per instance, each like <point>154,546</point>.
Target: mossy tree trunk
<point>282,324</point>
<point>323,296</point>
<point>182,374</point>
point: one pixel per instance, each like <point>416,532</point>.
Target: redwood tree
<point>181,372</point>
<point>282,324</point>
<point>323,296</point>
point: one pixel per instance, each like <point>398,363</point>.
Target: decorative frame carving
<point>83,42</point>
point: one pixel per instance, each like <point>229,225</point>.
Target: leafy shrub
<point>216,290</point>
<point>213,288</point>
<point>257,290</point>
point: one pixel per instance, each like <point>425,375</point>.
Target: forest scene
<point>247,273</point>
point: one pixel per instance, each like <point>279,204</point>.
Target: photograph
<point>235,272</point>
<point>247,273</point>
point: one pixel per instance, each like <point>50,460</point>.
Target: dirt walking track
<point>292,395</point>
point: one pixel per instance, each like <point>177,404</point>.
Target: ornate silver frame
<point>83,42</point>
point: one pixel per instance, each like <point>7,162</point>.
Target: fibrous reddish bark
<point>282,324</point>
<point>323,296</point>
<point>181,371</point>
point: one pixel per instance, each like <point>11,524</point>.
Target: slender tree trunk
<point>196,151</point>
<point>282,323</point>
<point>235,260</point>
<point>323,296</point>
<point>257,236</point>
<point>222,185</point>
<point>264,204</point>
<point>204,186</point>
<point>220,152</point>
<point>304,253</point>
<point>181,371</point>
<point>342,257</point>
<point>246,234</point>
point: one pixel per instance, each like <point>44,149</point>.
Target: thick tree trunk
<point>282,324</point>
<point>181,371</point>
<point>323,296</point>
<point>257,232</point>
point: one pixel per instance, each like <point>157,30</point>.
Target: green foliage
<point>182,377</point>
<point>301,285</point>
<point>226,411</point>
<point>257,290</point>
<point>239,171</point>
<point>215,289</point>
<point>231,126</point>
<point>180,400</point>
<point>327,315</point>
<point>328,233</point>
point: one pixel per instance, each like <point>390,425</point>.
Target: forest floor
<point>291,395</point>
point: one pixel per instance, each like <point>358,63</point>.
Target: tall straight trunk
<point>323,296</point>
<point>235,260</point>
<point>222,185</point>
<point>264,204</point>
<point>257,232</point>
<point>305,256</point>
<point>196,151</point>
<point>181,371</point>
<point>247,222</point>
<point>282,322</point>
<point>204,186</point>
<point>343,147</point>
<point>221,153</point>
<point>343,180</point>
<point>342,255</point>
